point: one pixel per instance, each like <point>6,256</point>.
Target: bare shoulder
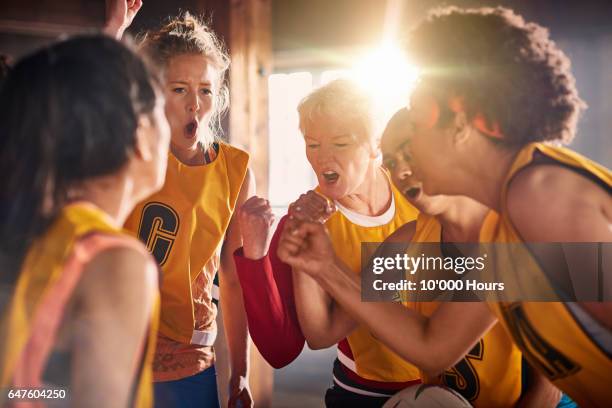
<point>403,234</point>
<point>122,275</point>
<point>554,203</point>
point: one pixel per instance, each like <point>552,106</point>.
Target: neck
<point>115,197</point>
<point>191,156</point>
<point>373,196</point>
<point>462,219</point>
<point>490,172</point>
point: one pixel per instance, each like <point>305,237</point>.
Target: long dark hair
<point>68,113</point>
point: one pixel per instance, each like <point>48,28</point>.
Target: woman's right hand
<point>256,219</point>
<point>119,16</point>
<point>312,207</point>
<point>306,246</point>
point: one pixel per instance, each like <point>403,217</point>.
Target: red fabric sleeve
<point>267,289</point>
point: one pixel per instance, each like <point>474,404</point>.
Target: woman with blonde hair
<point>189,225</point>
<point>339,127</point>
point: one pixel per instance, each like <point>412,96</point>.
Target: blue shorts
<point>197,391</point>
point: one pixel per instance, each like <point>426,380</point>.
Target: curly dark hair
<point>506,69</point>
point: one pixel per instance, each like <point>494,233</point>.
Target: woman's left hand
<point>239,393</point>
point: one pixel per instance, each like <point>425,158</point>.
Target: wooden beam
<point>251,52</point>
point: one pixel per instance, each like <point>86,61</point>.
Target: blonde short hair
<point>344,99</point>
<point>187,34</point>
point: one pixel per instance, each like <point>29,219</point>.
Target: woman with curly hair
<point>496,93</point>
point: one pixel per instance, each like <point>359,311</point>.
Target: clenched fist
<point>313,207</point>
<point>256,219</point>
<point>306,246</point>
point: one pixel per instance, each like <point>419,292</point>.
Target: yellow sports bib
<point>183,226</point>
<point>547,333</point>
<point>490,374</point>
<point>42,276</point>
<point>373,360</point>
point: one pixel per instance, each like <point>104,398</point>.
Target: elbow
<point>282,357</point>
<point>435,365</point>
<point>319,342</point>
<point>431,371</point>
<point>280,362</point>
<point>316,345</point>
<point>278,354</point>
<point>432,362</point>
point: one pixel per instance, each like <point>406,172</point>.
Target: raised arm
<point>433,344</point>
<point>267,290</point>
<point>267,282</point>
<point>119,16</point>
<point>323,321</point>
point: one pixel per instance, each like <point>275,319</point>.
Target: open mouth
<point>412,192</point>
<point>330,176</point>
<point>191,129</point>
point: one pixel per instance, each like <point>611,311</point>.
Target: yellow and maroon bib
<point>490,373</point>
<point>548,333</point>
<point>49,274</point>
<point>371,359</point>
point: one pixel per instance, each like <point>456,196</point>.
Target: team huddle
<point>127,222</point>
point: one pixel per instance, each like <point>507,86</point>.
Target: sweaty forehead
<point>327,126</point>
<point>190,68</point>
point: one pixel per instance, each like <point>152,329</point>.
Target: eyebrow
<point>349,135</point>
<point>332,137</point>
<point>187,83</point>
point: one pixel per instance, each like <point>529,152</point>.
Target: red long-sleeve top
<point>267,288</point>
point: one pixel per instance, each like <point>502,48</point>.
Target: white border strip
<point>347,361</point>
<point>360,391</point>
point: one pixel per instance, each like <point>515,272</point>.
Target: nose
<point>403,170</point>
<point>324,155</point>
<point>193,103</point>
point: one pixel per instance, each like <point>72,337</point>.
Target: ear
<point>461,128</point>
<point>375,148</point>
<point>142,148</point>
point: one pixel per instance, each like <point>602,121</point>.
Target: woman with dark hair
<point>494,90</point>
<point>82,143</point>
